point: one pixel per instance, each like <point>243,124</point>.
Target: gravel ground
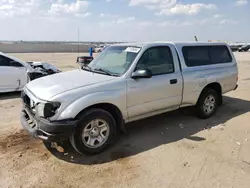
<point>170,150</point>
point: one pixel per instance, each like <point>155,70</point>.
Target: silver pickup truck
<point>124,83</point>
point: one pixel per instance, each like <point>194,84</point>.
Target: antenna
<point>78,42</point>
<point>78,38</point>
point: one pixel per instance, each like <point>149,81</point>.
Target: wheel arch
<point>215,86</point>
<point>111,108</point>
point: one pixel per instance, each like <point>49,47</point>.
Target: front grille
<point>26,99</point>
<point>28,102</point>
<point>30,120</point>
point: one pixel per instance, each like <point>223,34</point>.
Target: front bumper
<point>46,130</point>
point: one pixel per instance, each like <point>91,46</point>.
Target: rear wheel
<point>95,131</point>
<point>207,103</point>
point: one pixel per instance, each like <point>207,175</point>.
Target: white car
<point>99,48</point>
<point>15,74</point>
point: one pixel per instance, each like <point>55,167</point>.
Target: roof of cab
<point>189,43</point>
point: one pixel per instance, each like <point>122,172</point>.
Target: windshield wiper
<point>105,71</point>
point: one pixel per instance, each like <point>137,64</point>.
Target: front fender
<point>117,98</point>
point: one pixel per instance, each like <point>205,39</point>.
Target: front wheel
<point>94,132</point>
<point>207,103</point>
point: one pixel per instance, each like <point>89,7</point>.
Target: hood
<point>49,86</point>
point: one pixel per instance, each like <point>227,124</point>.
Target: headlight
<point>47,109</point>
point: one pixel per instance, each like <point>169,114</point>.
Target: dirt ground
<point>174,150</point>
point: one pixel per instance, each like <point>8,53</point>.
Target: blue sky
<point>125,20</point>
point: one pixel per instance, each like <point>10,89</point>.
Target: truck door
<point>163,90</point>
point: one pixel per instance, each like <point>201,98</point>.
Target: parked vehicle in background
<point>127,82</point>
<point>84,60</point>
<point>99,48</point>
<point>14,73</point>
<point>235,47</point>
<point>244,48</point>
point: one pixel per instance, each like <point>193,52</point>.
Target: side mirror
<point>85,60</point>
<point>142,73</point>
<point>15,64</point>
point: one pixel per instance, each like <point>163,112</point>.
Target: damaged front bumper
<point>44,129</point>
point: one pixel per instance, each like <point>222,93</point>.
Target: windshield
<point>115,59</point>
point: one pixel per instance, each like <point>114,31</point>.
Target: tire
<point>94,132</point>
<point>207,103</point>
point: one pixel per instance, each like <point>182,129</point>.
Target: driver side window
<point>158,60</point>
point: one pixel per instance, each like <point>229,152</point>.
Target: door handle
<point>173,81</point>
